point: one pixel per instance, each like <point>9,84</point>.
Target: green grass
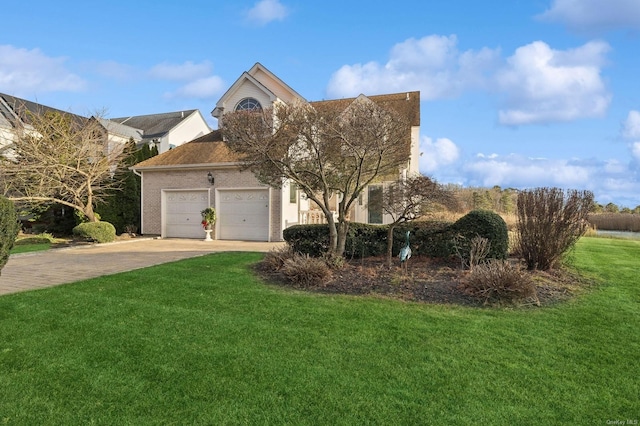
<point>33,243</point>
<point>202,341</point>
<point>28,248</point>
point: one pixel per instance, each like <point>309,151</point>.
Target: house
<point>178,184</point>
<point>14,113</point>
<point>166,130</point>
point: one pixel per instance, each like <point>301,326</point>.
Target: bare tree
<point>325,150</point>
<point>409,199</point>
<point>550,222</point>
<point>59,158</point>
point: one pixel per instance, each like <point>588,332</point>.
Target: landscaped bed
<point>428,280</point>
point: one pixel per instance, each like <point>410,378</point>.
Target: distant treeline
<point>505,200</point>
<point>615,221</point>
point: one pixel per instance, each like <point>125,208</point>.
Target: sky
<point>520,94</point>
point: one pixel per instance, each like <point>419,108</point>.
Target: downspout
<point>137,173</point>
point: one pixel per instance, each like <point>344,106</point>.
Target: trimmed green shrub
<point>364,240</point>
<point>9,228</point>
<point>43,238</point>
<point>312,240</point>
<point>483,223</point>
<point>100,232</point>
<point>428,238</point>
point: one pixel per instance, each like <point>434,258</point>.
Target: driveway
<point>29,271</point>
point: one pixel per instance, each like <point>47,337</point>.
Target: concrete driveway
<point>42,269</point>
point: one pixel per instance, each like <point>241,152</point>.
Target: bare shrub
<point>478,251</point>
<point>498,281</point>
<point>550,222</point>
<point>305,271</point>
<point>333,262</point>
<point>274,259</point>
<point>478,247</point>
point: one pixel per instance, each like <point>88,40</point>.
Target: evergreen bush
<point>9,228</point>
<point>100,232</point>
<point>480,223</point>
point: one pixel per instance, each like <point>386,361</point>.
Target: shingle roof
<point>12,107</point>
<point>207,149</point>
<point>210,148</point>
<point>406,103</point>
<point>155,125</point>
<point>121,129</point>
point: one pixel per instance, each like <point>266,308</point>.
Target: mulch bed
<point>426,280</point>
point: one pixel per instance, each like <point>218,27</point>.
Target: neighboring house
<point>14,113</point>
<point>178,184</point>
<point>166,131</point>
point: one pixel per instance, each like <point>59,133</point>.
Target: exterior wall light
<point>210,178</point>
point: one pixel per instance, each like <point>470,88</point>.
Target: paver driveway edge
<point>29,271</point>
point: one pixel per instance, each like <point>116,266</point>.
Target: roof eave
<point>226,165</point>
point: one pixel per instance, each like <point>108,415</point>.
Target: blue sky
<point>514,93</point>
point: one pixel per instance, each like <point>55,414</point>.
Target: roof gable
<point>264,81</point>
<point>155,125</point>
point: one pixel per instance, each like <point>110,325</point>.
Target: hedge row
<point>429,238</point>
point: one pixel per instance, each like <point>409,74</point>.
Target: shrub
<point>484,224</point>
<point>312,240</point>
<point>305,271</point>
<point>43,238</point>
<point>550,222</point>
<point>364,240</point>
<point>274,259</point>
<point>498,281</point>
<point>9,228</point>
<point>100,232</point>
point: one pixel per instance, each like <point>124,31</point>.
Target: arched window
<point>248,104</point>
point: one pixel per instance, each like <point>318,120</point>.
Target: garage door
<point>244,215</point>
<point>182,213</point>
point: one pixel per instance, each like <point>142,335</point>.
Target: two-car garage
<point>242,214</point>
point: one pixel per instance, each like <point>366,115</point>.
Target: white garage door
<point>182,213</point>
<point>244,214</point>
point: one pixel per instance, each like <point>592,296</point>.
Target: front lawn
<point>202,341</point>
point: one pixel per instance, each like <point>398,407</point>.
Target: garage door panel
<point>182,213</point>
<point>244,215</point>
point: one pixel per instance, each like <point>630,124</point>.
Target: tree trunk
<point>333,235</point>
<point>341,243</point>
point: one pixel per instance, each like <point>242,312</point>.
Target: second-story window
<point>248,104</point>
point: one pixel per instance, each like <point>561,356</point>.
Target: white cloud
<point>537,84</point>
<point>631,126</point>
<point>266,11</point>
<point>635,150</point>
<point>432,64</point>
<point>435,154</point>
<point>544,85</point>
<point>594,15</point>
<point>521,172</point>
<point>24,71</point>
<point>186,71</point>
<point>202,88</point>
